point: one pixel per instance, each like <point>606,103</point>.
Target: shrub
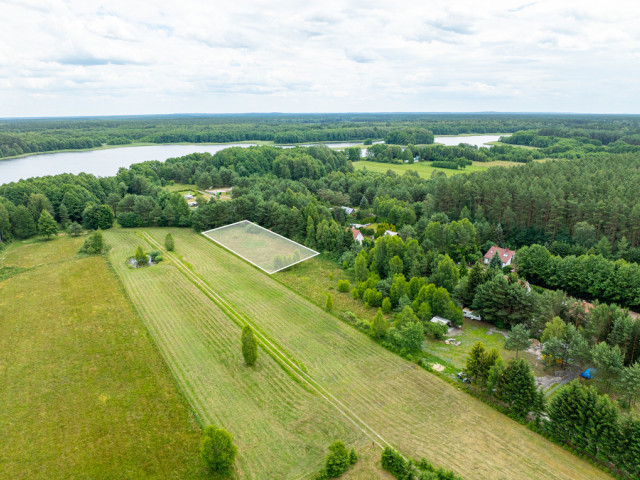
<point>353,456</point>
<point>217,450</point>
<point>328,306</point>
<point>393,462</point>
<point>168,242</point>
<point>75,229</point>
<point>344,286</point>
<point>338,460</point>
<point>249,346</point>
<point>140,256</point>
<point>154,254</point>
<point>94,244</point>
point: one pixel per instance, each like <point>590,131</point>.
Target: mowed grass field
<point>425,170</point>
<point>404,405</point>
<point>83,391</point>
<point>259,245</point>
<point>282,430</point>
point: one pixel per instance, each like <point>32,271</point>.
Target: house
<point>506,255</point>
<point>348,210</point>
<point>389,233</point>
<point>441,321</point>
<point>470,315</point>
<point>188,197</point>
<point>357,235</point>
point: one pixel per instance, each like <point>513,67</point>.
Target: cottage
<point>357,235</point>
<point>506,255</point>
<point>348,210</point>
<point>441,321</point>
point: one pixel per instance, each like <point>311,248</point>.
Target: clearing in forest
<point>358,391</point>
<point>263,248</point>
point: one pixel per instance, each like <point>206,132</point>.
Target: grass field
<point>424,169</point>
<point>265,249</point>
<point>393,400</point>
<point>281,429</point>
<point>83,391</point>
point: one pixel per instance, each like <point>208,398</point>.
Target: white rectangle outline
<point>246,259</point>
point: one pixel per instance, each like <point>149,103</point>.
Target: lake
<point>105,163</point>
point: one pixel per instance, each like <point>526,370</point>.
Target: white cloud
<point>79,58</point>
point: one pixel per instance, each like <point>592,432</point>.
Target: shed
<point>441,321</point>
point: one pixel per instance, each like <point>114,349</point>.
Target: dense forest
<point>566,132</point>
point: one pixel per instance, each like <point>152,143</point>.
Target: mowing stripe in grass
<point>276,353</point>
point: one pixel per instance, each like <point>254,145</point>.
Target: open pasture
<point>413,410</point>
<point>83,391</point>
<point>261,247</point>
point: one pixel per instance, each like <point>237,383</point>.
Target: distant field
<point>413,410</point>
<point>424,169</point>
<point>265,249</point>
<point>281,429</point>
<point>83,391</point>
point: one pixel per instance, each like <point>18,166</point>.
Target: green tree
<point>217,450</point>
<point>249,346</point>
<point>518,339</point>
<point>168,242</point>
<point>395,266</point>
<point>496,262</point>
<point>475,363</point>
<point>328,306</point>
<point>63,215</point>
<point>5,225</point>
<point>362,270</point>
<point>629,383</point>
<point>140,256</point>
<point>353,456</point>
<point>379,325</point>
<point>609,362</point>
<point>311,233</point>
<point>517,387</point>
<point>75,229</point>
<point>22,221</point>
<point>446,274</point>
<point>344,286</point>
<point>556,328</point>
<point>386,305</point>
<point>47,226</point>
<point>338,460</point>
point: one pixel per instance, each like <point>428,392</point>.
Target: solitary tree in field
<point>249,346</point>
<point>75,229</point>
<point>379,325</point>
<point>217,450</point>
<point>47,226</point>
<point>518,339</point>
<point>168,242</point>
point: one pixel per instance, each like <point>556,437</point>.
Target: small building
<point>390,233</point>
<point>470,315</point>
<point>193,204</point>
<point>348,210</point>
<point>359,225</point>
<point>188,197</point>
<point>506,255</point>
<point>357,235</point>
<point>441,321</point>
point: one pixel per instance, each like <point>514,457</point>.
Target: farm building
<point>506,255</point>
<point>357,235</point>
<point>441,321</point>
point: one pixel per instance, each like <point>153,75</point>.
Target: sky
<point>82,57</point>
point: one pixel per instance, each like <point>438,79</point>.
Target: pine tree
<point>353,456</point>
<point>629,383</point>
<point>63,214</point>
<point>475,362</point>
<point>249,346</point>
<point>518,339</point>
<point>46,224</point>
<point>609,362</point>
<point>379,325</point>
<point>517,387</point>
<point>328,306</point>
<point>310,240</point>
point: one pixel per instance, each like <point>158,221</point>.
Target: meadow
<point>84,392</point>
<point>388,399</point>
<point>424,169</point>
<point>281,428</point>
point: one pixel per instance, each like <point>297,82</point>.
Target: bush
<point>393,462</point>
<point>217,450</point>
<point>353,456</point>
<point>75,229</point>
<point>140,256</point>
<point>338,460</point>
<point>94,245</point>
<point>249,346</point>
<point>155,254</point>
<point>168,242</point>
<point>328,306</point>
<point>344,286</point>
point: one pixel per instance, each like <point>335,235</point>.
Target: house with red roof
<point>357,235</point>
<point>506,255</point>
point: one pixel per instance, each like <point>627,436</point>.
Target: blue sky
<point>139,57</point>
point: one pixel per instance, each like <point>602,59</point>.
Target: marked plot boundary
<point>235,252</point>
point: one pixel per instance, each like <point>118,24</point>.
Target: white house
<point>357,235</point>
<point>389,233</point>
<point>348,210</point>
<point>506,255</point>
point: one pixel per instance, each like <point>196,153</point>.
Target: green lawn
<point>397,402</point>
<point>424,169</point>
<point>83,390</point>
